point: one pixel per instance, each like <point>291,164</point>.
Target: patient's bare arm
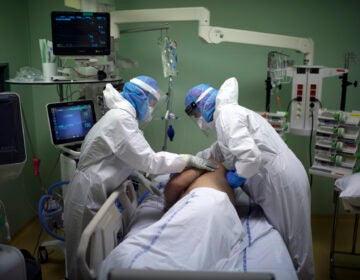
<point>178,184</point>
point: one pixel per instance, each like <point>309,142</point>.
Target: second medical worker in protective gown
<point>250,146</point>
<point>111,151</point>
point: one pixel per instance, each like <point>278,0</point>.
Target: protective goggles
<point>192,107</point>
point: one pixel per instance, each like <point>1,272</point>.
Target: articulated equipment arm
<point>213,34</point>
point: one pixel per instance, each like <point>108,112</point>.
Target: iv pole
<point>210,34</point>
<point>169,61</point>
<point>168,110</point>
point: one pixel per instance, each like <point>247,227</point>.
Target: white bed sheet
<point>248,244</point>
<point>349,187</point>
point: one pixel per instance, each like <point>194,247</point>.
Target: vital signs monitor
<point>70,121</point>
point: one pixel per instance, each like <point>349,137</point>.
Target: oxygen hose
<point>42,212</point>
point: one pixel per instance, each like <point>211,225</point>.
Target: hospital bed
<point>347,189</point>
<point>260,255</point>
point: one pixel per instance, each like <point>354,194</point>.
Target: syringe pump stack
<point>337,142</point>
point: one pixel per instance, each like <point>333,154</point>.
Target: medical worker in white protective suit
<point>111,151</point>
<point>253,151</point>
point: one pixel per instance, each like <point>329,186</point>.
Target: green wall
<point>19,195</point>
<point>333,28</point>
<point>22,23</point>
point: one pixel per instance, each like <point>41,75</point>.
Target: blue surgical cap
<point>139,92</point>
<point>206,106</point>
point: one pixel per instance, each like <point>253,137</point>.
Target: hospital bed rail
<point>141,274</point>
<point>105,230</point>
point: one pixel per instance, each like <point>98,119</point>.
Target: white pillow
<point>350,191</point>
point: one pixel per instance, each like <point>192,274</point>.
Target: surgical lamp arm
<point>213,34</point>
<point>157,15</point>
<point>217,35</point>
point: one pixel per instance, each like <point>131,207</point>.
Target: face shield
<point>148,84</point>
<point>152,101</point>
<point>156,101</point>
<point>148,116</point>
<point>150,92</point>
<point>156,112</point>
<point>204,125</point>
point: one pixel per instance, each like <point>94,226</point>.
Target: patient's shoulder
<point>214,180</point>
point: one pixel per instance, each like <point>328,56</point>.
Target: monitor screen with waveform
<point>70,121</point>
<point>80,33</point>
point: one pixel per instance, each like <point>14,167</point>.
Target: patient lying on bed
<point>198,231</point>
<point>183,183</point>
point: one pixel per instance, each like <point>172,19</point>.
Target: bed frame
<point>107,229</point>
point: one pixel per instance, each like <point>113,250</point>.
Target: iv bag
<point>169,57</point>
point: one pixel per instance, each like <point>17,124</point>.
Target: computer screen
<point>12,143</point>
<point>70,121</point>
<point>80,33</point>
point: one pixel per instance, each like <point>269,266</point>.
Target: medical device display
<point>80,33</point>
<point>70,121</point>
<point>11,147</point>
<point>337,142</point>
<point>12,141</point>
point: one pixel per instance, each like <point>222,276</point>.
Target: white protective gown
<point>277,180</point>
<point>112,150</point>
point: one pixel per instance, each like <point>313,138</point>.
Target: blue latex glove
<point>234,180</point>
